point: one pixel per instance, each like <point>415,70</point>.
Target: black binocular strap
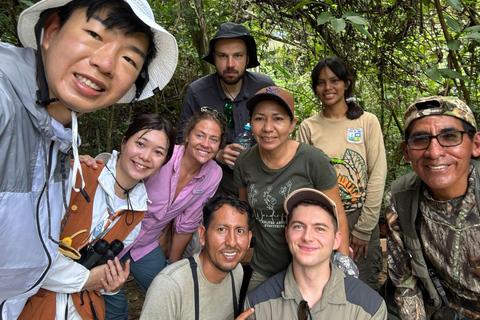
<point>94,312</point>
<point>193,267</point>
<point>236,311</point>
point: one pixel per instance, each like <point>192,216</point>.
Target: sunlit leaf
<point>452,24</point>
<point>449,73</point>
<point>324,17</point>
<point>281,69</point>
<point>362,30</point>
<point>474,35</point>
<point>453,44</point>
<point>455,4</point>
<point>338,24</point>
<point>473,28</point>
<point>355,18</point>
<point>301,4</point>
<point>433,74</point>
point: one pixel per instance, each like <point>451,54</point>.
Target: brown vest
<point>41,306</point>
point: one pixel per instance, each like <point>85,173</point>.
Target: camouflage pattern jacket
<point>449,240</point>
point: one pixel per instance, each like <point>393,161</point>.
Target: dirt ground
<point>135,298</point>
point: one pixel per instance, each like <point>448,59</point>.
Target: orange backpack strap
<point>89,305</point>
<point>121,229</point>
<point>81,210</point>
<point>42,306</point>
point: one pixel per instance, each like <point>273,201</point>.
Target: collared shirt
<point>207,92</point>
<point>344,297</point>
<point>185,210</point>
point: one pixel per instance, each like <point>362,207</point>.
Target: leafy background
<point>400,50</point>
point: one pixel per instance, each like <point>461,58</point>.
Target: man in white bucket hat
<point>79,56</point>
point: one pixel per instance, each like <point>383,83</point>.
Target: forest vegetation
<point>400,49</point>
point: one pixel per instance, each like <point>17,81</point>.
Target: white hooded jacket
<point>31,205</point>
<point>68,276</point>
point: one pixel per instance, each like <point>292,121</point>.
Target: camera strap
<point>193,267</point>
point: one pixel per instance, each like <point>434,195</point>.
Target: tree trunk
<point>110,117</point>
<point>451,53</point>
<point>199,37</point>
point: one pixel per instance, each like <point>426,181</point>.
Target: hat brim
<point>251,49</point>
<point>160,69</point>
<point>253,101</point>
<point>309,194</point>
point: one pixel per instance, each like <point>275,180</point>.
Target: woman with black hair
<point>352,138</point>
<point>108,211</point>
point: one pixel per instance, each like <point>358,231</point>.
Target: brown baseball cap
<point>282,97</point>
<point>438,105</point>
<point>309,194</point>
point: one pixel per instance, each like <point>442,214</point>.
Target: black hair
<point>250,112</point>
<point>119,15</point>
<point>215,203</point>
<point>343,72</point>
<point>207,114</point>
<point>151,122</point>
<point>308,202</point>
<point>466,127</point>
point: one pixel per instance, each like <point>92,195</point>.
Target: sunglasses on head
<point>216,112</point>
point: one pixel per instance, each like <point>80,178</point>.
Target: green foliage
<point>455,4</point>
<point>355,19</point>
<point>324,17</point>
<point>452,23</point>
<point>9,11</point>
<point>398,50</point>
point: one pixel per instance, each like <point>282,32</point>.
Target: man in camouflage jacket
<point>433,214</point>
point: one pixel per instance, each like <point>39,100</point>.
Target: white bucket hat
<point>160,69</point>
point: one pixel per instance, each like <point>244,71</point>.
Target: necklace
<point>129,202</point>
<point>125,191</point>
<point>228,92</point>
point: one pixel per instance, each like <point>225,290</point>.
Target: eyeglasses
<point>446,139</point>
<point>303,311</point>
<point>227,109</point>
<point>216,112</point>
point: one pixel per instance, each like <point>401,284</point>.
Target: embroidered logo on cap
<point>274,91</point>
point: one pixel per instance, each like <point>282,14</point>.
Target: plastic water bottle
<point>244,138</point>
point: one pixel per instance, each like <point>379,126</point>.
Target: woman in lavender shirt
<point>176,192</point>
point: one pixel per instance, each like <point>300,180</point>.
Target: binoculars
<point>99,253</point>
